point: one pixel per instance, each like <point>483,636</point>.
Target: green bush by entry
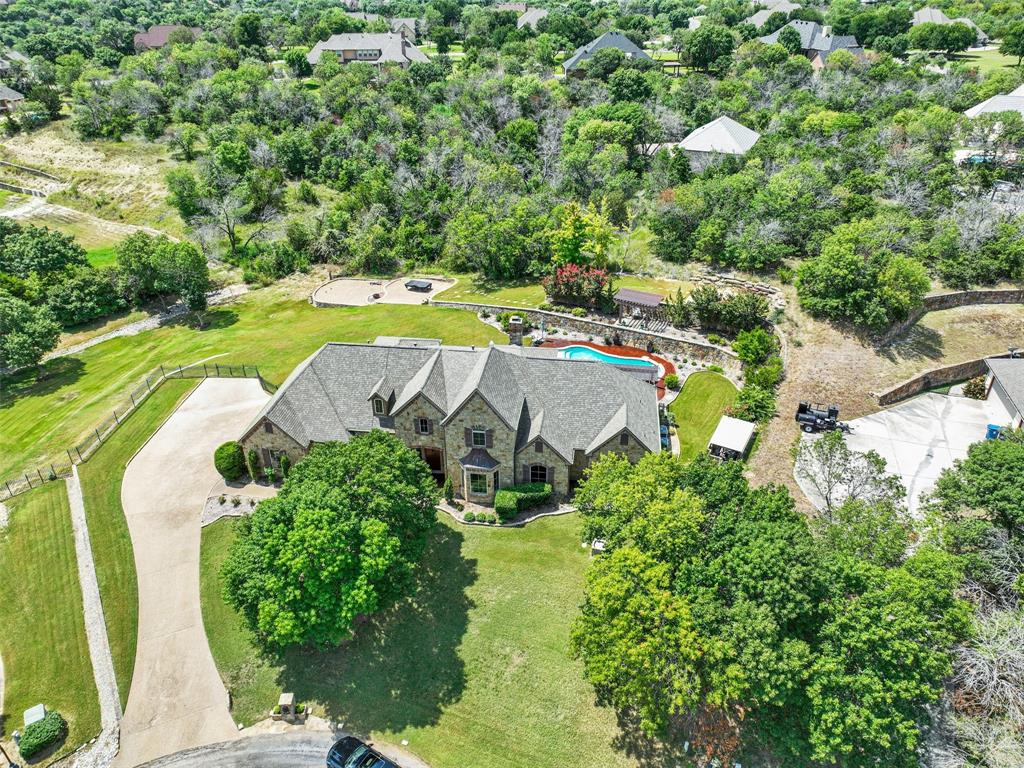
<point>230,460</point>
<point>42,734</point>
<point>508,502</point>
<point>672,381</point>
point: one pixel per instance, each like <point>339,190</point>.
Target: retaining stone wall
<point>939,301</point>
<point>936,377</point>
<point>695,350</point>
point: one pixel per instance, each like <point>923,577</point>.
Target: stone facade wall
<point>633,450</point>
<point>692,349</point>
<point>940,301</point>
<point>558,470</point>
<point>277,440</point>
<point>406,426</point>
<point>476,413</point>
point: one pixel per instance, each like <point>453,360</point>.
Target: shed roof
<point>733,434</point>
<point>723,136</point>
<point>643,298</point>
<point>1009,372</point>
<point>999,103</point>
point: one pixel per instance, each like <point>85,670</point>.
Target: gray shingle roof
<point>531,17</point>
<point>607,40</point>
<point>570,404</point>
<point>392,46</point>
<point>723,136</point>
<point>1009,372</point>
<point>9,94</point>
<point>813,38</point>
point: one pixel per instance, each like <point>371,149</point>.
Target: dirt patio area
<point>355,292</point>
<point>828,365</point>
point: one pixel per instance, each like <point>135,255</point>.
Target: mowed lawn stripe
<point>701,403</point>
<point>101,478</point>
<point>43,642</point>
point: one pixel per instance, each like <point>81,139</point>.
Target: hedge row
<point>509,502</point>
<point>42,734</point>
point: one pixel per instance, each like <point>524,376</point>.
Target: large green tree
<point>341,540</point>
<point>27,332</point>
<point>989,481</point>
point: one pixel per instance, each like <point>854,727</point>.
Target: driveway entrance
<point>177,700</point>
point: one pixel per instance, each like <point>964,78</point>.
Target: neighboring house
<point>935,16</point>
<point>531,17</point>
<point>404,26</point>
<point>1003,102</point>
<point>584,53</point>
<point>486,417</point>
<point>158,35</point>
<point>816,43</point>
<point>370,47</point>
<point>722,136</point>
<point>1005,381</point>
<point>9,59</point>
<point>9,98</point>
<point>782,6</point>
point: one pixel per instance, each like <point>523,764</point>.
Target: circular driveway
<point>354,292</point>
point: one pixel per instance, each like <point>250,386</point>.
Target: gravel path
<point>102,751</point>
<point>149,323</point>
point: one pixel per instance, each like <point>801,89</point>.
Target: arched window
<point>538,473</point>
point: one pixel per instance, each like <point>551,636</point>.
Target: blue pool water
<point>587,353</point>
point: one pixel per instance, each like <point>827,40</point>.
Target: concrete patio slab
<point>177,700</point>
<point>355,292</point>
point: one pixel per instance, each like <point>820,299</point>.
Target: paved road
<point>302,749</point>
<point>177,700</point>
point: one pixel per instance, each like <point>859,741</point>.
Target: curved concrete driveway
<point>177,700</point>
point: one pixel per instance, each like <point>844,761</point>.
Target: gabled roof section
<point>999,103</point>
<point>393,48</point>
<point>813,38</point>
<point>607,40</point>
<point>9,94</point>
<point>1009,372</point>
<point>722,136</point>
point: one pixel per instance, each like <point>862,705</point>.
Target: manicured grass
<point>471,288</point>
<point>43,412</point>
<point>43,643</point>
<point>112,551</point>
<point>701,403</point>
<point>102,257</point>
<point>986,61</point>
<point>473,671</point>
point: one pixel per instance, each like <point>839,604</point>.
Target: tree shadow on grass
<point>402,667</point>
<point>919,343</point>
<point>210,320</point>
<point>42,380</point>
<point>648,751</point>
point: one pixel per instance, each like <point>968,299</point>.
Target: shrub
<point>448,490</point>
<point>578,312</point>
<point>508,502</point>
<point>975,388</point>
<point>754,403</point>
<point>286,465</point>
<point>714,338</point>
<point>271,475</point>
<point>716,368</point>
<point>492,519</point>
<point>582,286</point>
<point>672,381</point>
<point>766,376</point>
<point>754,346</point>
<point>230,460</point>
<point>252,463</point>
<point>42,734</point>
<point>469,517</point>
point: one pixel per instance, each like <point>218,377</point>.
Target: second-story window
<point>480,438</point>
<point>423,426</point>
<point>378,405</point>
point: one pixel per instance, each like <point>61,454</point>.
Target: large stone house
<point>369,47</point>
<point>487,417</point>
<point>817,43</point>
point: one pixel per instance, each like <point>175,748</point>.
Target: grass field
<point>43,412</point>
<point>986,61</point>
<point>103,256</point>
<point>471,288</point>
<point>43,643</point>
<point>701,403</point>
<point>474,667</point>
<point>101,479</point>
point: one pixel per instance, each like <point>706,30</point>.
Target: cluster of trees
<point>340,541</point>
<point>485,163</point>
<point>719,615</point>
<point>47,284</point>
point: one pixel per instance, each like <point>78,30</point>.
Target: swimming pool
<point>589,353</point>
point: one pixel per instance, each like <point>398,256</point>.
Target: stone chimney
<point>515,330</point>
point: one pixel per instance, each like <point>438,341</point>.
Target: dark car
<point>350,752</point>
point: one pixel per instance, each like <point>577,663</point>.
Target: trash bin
<point>993,431</point>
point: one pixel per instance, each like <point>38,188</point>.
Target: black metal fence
<point>76,454</point>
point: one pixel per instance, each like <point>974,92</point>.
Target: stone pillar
<point>515,330</point>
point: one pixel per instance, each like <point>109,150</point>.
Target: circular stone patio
<point>354,292</point>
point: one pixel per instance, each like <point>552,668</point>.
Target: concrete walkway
<point>177,700</point>
<point>102,751</point>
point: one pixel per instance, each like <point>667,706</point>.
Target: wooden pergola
<point>632,302</point>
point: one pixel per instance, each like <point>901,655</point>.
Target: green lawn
<point>43,412</point>
<point>474,670</point>
<point>986,61</point>
<point>112,551</point>
<point>102,257</point>
<point>471,288</point>
<point>701,403</point>
<point>43,643</point>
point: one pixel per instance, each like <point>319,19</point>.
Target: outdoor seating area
<point>732,439</point>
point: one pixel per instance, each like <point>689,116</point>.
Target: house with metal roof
<point>723,136</point>
<point>1005,382</point>
<point>816,43</point>
<point>486,417</point>
<point>370,47</point>
<point>573,65</point>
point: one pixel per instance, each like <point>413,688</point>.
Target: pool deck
<point>666,365</point>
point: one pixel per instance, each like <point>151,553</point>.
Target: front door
<point>435,460</point>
